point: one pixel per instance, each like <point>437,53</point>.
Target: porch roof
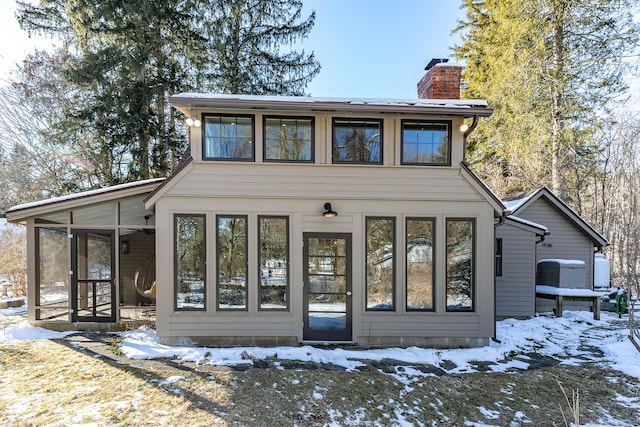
<point>27,210</point>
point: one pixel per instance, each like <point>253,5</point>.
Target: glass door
<point>92,283</point>
<point>327,287</point>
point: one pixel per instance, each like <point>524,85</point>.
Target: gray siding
<point>566,241</point>
<point>515,289</point>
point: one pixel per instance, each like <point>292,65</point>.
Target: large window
<point>460,264</point>
<point>273,258</point>
<point>232,262</point>
<point>426,142</point>
<point>419,263</point>
<point>228,137</point>
<point>357,141</point>
<point>288,139</point>
<point>190,265</point>
<point>380,233</point>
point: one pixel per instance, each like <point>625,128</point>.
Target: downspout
<point>466,133</point>
<point>501,220</point>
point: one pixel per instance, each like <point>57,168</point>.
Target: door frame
<point>328,335</point>
<point>92,282</point>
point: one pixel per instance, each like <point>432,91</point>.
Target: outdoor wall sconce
<point>328,212</point>
<point>124,247</point>
<point>193,122</point>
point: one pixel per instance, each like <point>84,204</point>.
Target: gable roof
<point>455,107</point>
<point>518,206</point>
<point>40,207</point>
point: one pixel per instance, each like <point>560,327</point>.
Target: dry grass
<point>55,383</point>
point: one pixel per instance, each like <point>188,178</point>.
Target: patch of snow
<point>565,292</point>
<point>25,332</point>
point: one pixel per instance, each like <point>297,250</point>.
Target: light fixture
<point>124,247</point>
<point>192,122</point>
<point>464,127</point>
<point>328,212</point>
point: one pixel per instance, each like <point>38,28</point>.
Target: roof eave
<point>185,103</point>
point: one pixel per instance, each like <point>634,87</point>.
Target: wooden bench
<point>570,294</point>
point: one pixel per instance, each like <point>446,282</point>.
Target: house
<point>541,227</point>
<point>291,220</point>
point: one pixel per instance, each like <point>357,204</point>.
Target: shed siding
<point>515,289</point>
<point>565,241</point>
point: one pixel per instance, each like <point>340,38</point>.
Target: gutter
<point>501,221</point>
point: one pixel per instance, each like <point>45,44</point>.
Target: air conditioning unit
<point>562,273</point>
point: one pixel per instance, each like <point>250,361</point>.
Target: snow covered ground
<point>564,338</point>
<point>571,339</point>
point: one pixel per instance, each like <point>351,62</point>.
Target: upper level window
<point>426,142</point>
<point>288,139</point>
<point>357,141</point>
<point>228,137</point>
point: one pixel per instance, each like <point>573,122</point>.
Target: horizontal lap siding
<point>417,325</point>
<point>515,295</point>
<point>294,181</point>
<point>565,240</point>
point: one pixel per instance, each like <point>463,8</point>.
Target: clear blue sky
<point>367,48</point>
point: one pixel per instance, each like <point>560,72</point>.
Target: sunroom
<point>90,258</point>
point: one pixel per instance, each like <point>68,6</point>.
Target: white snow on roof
<point>451,103</point>
<point>82,194</point>
<point>514,205</point>
<point>527,222</point>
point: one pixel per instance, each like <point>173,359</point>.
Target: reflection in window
<point>228,137</point>
<point>232,262</point>
<point>190,266</point>
<point>52,287</point>
<point>380,263</point>
<point>419,263</point>
<point>357,141</point>
<point>288,139</point>
<point>274,262</point>
<point>425,143</point>
<point>460,264</point>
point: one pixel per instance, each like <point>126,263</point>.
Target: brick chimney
<point>442,80</point>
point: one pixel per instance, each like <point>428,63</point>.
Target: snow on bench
<point>570,294</point>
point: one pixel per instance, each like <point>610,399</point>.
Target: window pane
<point>288,139</point>
<point>103,214</point>
<point>274,262</point>
<point>419,261</point>
<point>357,141</point>
<point>425,143</point>
<point>232,262</point>
<point>190,266</point>
<point>380,263</point>
<point>228,137</point>
<point>460,265</point>
<point>52,287</point>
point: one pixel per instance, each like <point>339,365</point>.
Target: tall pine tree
<point>125,58</point>
<point>550,69</point>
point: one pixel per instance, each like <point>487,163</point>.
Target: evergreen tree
<point>123,60</point>
<point>550,69</point>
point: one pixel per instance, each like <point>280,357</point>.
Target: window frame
<point>393,264</point>
<point>474,254</point>
<point>449,124</point>
<point>356,119</point>
<point>229,159</point>
<point>433,221</point>
<point>259,259</point>
<point>246,262</point>
<point>264,138</point>
<point>175,261</point>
